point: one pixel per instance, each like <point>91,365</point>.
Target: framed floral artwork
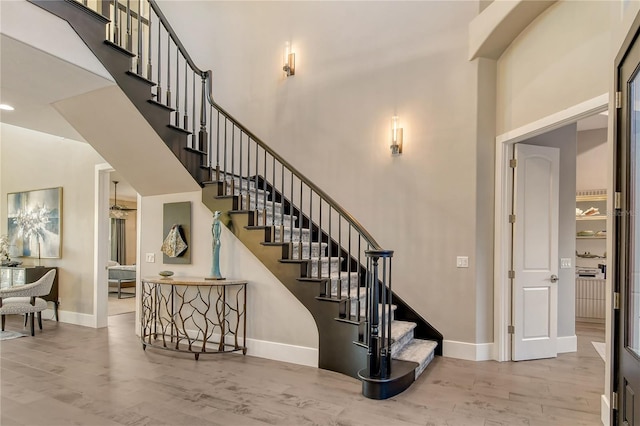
<point>35,223</point>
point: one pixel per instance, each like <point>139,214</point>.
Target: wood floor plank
<point>93,377</point>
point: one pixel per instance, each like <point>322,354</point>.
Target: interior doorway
<point>121,266</point>
<point>503,227</point>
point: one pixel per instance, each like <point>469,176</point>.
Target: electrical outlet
<point>151,257</point>
<point>462,262</point>
<point>565,263</point>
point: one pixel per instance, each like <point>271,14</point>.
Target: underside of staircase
<point>318,270</point>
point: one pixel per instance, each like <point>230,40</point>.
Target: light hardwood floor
<point>76,375</point>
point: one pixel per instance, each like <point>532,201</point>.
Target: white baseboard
<point>86,320</point>
<point>276,351</point>
<point>605,410</point>
<point>468,351</point>
<point>567,344</point>
<point>283,352</point>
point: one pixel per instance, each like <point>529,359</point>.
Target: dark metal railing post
<point>140,56</point>
<point>202,136</point>
<point>116,22</point>
<point>168,94</point>
<point>194,140</point>
<point>178,86</point>
<point>149,67</point>
<point>159,82</point>
<point>186,97</point>
<point>129,45</point>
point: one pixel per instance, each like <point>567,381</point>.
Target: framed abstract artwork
<point>35,223</point>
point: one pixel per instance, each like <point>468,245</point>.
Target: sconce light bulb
<point>289,66</point>
<point>394,126</point>
<point>287,50</point>
<point>396,136</point>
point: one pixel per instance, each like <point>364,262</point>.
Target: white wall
<point>34,160</point>
<point>592,166</point>
<point>357,64</point>
<point>273,314</point>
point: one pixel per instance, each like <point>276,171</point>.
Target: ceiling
<point>32,81</point>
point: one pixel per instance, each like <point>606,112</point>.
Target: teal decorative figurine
<point>215,231</point>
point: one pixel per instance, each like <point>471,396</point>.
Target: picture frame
<point>35,223</point>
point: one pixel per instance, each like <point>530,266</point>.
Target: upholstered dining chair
<point>24,299</point>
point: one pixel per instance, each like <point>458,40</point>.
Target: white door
<point>535,253</point>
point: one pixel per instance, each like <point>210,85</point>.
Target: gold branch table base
<point>194,315</point>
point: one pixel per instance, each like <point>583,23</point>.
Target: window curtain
<point>118,242</point>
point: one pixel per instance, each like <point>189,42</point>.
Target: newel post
<point>379,314</point>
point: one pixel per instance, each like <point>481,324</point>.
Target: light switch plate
<point>565,263</point>
<point>462,262</point>
<point>150,257</point>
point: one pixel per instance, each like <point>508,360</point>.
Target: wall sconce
<point>396,136</point>
<point>289,61</point>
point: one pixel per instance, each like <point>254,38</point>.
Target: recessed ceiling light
<point>6,107</point>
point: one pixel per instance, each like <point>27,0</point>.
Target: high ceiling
<point>32,80</point>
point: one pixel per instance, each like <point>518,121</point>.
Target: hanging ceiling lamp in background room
<point>116,210</point>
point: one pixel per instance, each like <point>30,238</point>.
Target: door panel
<point>626,263</point>
<point>535,252</point>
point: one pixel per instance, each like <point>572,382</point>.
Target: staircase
<point>324,257</point>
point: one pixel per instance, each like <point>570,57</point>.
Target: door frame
<point>502,236</point>
<point>101,246</point>
<point>633,35</point>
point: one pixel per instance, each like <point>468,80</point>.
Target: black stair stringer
<point>337,351</point>
<point>90,27</point>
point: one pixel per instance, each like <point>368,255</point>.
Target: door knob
<point>554,278</point>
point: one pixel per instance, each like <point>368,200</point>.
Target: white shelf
<point>580,198</point>
<point>597,237</point>
<point>594,217</point>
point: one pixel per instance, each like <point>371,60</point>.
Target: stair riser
<point>423,365</point>
<point>308,250</point>
<point>292,234</point>
<point>344,279</point>
<point>250,204</point>
<point>280,220</point>
<point>253,192</point>
<point>363,311</point>
<point>246,184</point>
<point>357,304</point>
<point>401,342</point>
<point>322,265</point>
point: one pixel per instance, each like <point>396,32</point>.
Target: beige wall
<point>556,63</point>
<point>591,170</point>
<point>332,121</point>
<point>273,313</point>
<point>34,160</point>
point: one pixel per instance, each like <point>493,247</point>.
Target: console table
<point>19,275</point>
<point>193,315</point>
